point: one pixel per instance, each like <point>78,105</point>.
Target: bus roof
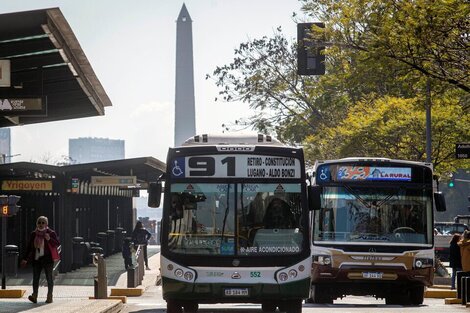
<point>232,139</point>
<point>372,159</point>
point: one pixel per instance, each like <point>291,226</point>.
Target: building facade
<point>89,150</point>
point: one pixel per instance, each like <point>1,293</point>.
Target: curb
<point>123,299</point>
<point>440,293</point>
<point>12,293</point>
<point>452,301</point>
<point>129,292</point>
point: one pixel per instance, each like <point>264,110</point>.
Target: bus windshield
<point>374,215</point>
<point>235,219</point>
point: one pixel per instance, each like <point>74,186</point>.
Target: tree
<point>428,36</point>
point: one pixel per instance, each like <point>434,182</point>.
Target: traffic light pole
<point>4,242</point>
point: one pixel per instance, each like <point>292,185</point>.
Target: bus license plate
<point>236,292</point>
<point>373,275</point>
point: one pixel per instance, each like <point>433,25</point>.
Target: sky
<point>131,46</point>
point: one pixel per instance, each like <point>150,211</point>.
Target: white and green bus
<point>373,229</point>
<point>235,224</point>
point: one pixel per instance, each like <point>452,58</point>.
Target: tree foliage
<point>428,36</point>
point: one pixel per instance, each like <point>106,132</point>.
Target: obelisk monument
<point>185,117</point>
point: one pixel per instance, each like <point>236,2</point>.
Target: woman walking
<point>41,253</point>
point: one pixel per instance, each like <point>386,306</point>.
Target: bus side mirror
<point>314,197</point>
<point>155,194</point>
<point>440,202</point>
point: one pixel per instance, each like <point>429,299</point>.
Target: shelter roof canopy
<point>47,62</point>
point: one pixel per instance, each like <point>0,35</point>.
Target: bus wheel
<point>293,306</point>
<point>318,295</point>
<point>397,299</point>
<point>191,307</point>
<point>173,306</point>
<point>417,295</point>
<point>268,307</point>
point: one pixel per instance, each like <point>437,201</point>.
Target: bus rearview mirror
<point>440,201</point>
<point>314,197</point>
<point>155,194</point>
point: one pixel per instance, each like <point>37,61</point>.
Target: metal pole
<point>4,242</point>
<point>428,122</point>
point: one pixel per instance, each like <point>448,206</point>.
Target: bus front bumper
<point>234,293</point>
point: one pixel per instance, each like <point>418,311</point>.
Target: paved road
<point>152,301</point>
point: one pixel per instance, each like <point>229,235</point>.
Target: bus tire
<point>392,300</point>
<point>317,295</point>
<point>173,306</point>
<point>294,306</point>
<point>398,299</point>
<point>191,307</point>
<point>416,295</point>
<point>268,307</point>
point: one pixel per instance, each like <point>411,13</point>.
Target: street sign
<point>113,180</point>
<point>23,185</point>
<point>462,150</point>
<point>23,106</point>
<point>75,185</point>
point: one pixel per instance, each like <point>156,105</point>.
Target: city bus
<point>235,224</point>
<point>373,229</point>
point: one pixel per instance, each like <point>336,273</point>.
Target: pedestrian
<point>464,244</point>
<point>141,236</point>
<point>41,253</point>
<point>455,261</point>
<point>127,252</point>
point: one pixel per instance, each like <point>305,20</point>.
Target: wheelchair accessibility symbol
<point>324,174</point>
<point>176,170</point>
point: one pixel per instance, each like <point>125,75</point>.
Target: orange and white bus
<point>373,229</point>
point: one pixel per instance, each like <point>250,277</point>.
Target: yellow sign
<point>5,210</point>
<point>44,185</point>
<point>113,180</point>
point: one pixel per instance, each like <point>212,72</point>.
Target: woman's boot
<point>33,298</point>
<point>49,298</point>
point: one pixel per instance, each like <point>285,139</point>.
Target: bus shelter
<point>82,200</point>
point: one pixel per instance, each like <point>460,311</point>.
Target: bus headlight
<point>292,273</point>
<point>188,276</point>
<point>283,276</point>
<point>322,259</point>
<point>179,272</point>
<point>423,263</point>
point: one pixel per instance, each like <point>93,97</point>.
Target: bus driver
<point>278,215</point>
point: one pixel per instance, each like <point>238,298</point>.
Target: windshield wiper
<point>227,209</point>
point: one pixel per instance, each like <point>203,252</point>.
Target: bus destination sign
<point>243,166</point>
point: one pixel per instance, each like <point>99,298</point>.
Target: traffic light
<point>310,56</point>
<point>9,205</point>
<point>451,183</point>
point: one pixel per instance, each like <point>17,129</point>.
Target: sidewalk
<point>72,290</point>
